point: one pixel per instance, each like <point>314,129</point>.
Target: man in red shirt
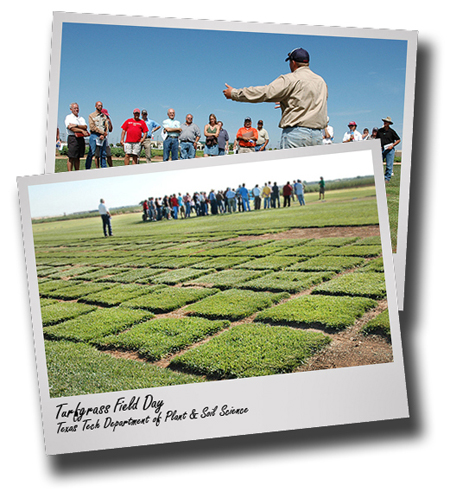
<point>287,192</point>
<point>136,132</point>
<point>247,137</point>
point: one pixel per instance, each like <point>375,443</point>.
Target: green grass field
<point>142,291</point>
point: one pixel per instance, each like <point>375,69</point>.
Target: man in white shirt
<point>352,134</point>
<point>172,128</point>
<point>106,218</point>
<point>76,131</point>
<point>328,133</point>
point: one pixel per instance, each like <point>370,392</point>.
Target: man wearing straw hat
<point>389,140</point>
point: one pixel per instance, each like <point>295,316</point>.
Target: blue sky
<point>186,69</point>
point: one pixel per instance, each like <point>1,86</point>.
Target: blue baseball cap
<point>298,55</point>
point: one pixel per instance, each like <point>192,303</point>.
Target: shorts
<point>99,149</point>
<point>76,147</point>
<point>132,148</point>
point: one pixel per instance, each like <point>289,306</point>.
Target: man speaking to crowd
<point>302,96</point>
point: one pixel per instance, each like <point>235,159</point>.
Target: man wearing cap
<point>135,130</point>
<point>172,129</point>
<point>302,96</point>
<point>152,127</point>
<point>189,137</point>
<point>247,137</point>
<point>98,126</point>
<point>389,140</point>
<point>263,138</point>
<point>352,135</point>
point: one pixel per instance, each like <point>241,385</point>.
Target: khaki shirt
<point>302,96</point>
<point>262,136</point>
<point>98,123</point>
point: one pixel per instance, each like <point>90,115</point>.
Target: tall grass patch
<point>286,281</point>
<point>227,278</point>
<point>251,350</point>
<point>330,312</point>
<point>367,284</point>
<point>156,338</point>
<point>119,294</point>
<point>96,324</point>
<point>379,325</point>
<point>168,299</point>
<point>234,304</point>
<point>327,263</point>
<point>75,369</point>
<point>59,312</point>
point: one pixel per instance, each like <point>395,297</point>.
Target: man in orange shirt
<point>247,137</point>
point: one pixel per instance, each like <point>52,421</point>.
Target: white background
<point>373,459</point>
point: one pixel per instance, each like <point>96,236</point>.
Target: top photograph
<point>168,90</point>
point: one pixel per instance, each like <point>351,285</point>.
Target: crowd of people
<point>227,201</point>
<point>301,95</point>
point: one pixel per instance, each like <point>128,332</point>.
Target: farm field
<point>215,297</point>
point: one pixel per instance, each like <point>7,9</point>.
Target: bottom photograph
<point>151,279</point>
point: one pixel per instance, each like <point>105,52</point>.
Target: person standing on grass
<point>98,126</point>
<point>211,132</point>
<point>266,193</point>
<point>189,137</point>
<point>275,196</point>
<point>321,188</point>
<point>108,147</point>
<point>389,140</point>
<point>223,140</point>
<point>135,130</point>
<point>76,131</point>
<point>106,218</point>
<point>172,130</point>
<point>243,191</point>
<point>287,192</point>
<point>247,136</point>
<point>257,197</point>
<point>299,192</point>
<point>152,127</point>
<point>263,137</point>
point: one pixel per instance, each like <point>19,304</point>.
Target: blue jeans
<point>389,156</point>
<point>246,203</point>
<point>92,146</point>
<point>187,150</point>
<point>106,220</point>
<point>170,146</point>
<point>299,136</point>
<point>301,199</point>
